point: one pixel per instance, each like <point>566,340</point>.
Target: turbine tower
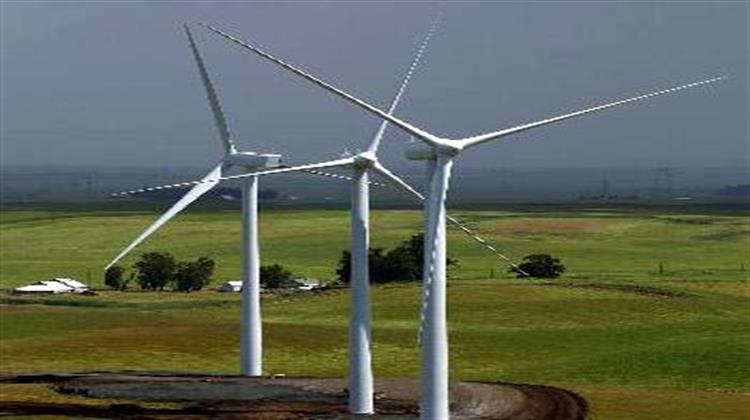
<point>441,152</point>
<point>250,321</point>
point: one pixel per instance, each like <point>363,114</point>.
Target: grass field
<point>603,245</point>
<point>637,344</point>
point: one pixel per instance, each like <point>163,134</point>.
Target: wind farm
<point>521,310</point>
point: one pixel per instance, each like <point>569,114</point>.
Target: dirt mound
<point>226,396</point>
<point>638,289</point>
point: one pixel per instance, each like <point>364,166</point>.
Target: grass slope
<point>638,345</point>
<point>602,245</point>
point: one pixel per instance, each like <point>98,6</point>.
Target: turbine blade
<point>405,82</point>
<point>328,164</point>
<point>185,201</point>
<point>396,181</point>
<point>476,140</point>
<point>485,244</point>
<point>400,183</point>
<point>213,99</point>
<point>339,176</point>
<point>418,132</point>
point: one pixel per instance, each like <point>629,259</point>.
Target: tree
<point>375,259</point>
<point>193,275</point>
<point>395,265</point>
<point>403,263</point>
<point>274,276</point>
<point>344,269</point>
<point>155,270</point>
<point>114,277</point>
<point>541,266</point>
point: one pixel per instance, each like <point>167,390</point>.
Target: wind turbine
<point>250,324</point>
<point>440,152</point>
<point>360,371</point>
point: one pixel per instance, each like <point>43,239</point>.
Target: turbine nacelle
<point>420,151</point>
<point>251,160</point>
<point>364,160</point>
<point>423,151</point>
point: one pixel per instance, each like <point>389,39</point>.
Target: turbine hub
<point>448,149</point>
<point>365,160</point>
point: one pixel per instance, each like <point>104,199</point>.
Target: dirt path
<point>235,397</point>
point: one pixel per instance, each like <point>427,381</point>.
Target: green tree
<point>155,270</point>
<point>344,268</point>
<point>402,263</point>
<point>406,261</point>
<point>193,275</point>
<point>114,278</point>
<point>396,265</point>
<point>542,266</point>
<point>274,276</point>
<point>376,259</point>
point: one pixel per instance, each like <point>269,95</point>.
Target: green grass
<point>680,350</point>
<point>601,245</point>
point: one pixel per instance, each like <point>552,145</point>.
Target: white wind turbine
<point>360,371</point>
<point>360,367</point>
<point>250,324</point>
<point>441,152</point>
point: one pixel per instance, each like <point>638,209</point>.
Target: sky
<point>113,83</point>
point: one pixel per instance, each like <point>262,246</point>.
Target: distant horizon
<point>416,166</point>
<point>470,184</point>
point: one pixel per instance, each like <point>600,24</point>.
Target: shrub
<point>155,270</point>
<point>403,263</point>
<point>193,275</point>
<point>542,266</point>
<point>274,276</point>
<point>114,278</point>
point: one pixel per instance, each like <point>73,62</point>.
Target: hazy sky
<point>113,82</point>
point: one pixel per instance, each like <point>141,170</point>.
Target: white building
<point>44,286</point>
<point>307,284</point>
<point>230,286</point>
<point>296,284</point>
<point>77,286</point>
<point>54,286</point>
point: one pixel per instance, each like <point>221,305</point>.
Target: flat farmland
<point>637,341</point>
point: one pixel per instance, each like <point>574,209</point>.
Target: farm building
<point>230,286</point>
<point>54,286</point>
<point>301,284</point>
<point>307,284</point>
<point>77,286</point>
